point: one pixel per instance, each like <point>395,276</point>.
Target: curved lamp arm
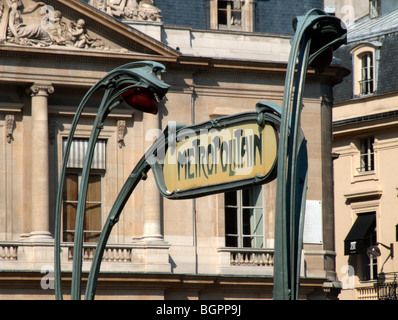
<point>391,248</point>
<point>116,83</point>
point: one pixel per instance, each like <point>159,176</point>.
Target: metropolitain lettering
<point>203,158</point>
<point>227,151</point>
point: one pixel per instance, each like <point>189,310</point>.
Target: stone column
<point>151,202</point>
<point>40,161</point>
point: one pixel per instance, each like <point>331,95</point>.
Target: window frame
<point>229,11</point>
<point>374,9</point>
<point>368,267</point>
<point>77,169</point>
<point>247,16</point>
<point>78,173</point>
<point>366,81</point>
<point>365,49</point>
<point>368,154</point>
<point>242,223</point>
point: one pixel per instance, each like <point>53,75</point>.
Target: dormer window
<point>230,15</point>
<point>374,8</point>
<point>365,66</point>
<point>237,15</point>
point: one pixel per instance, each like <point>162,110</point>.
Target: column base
<point>152,253</point>
<point>40,236</point>
<point>152,238</point>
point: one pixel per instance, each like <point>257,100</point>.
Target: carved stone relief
<point>121,132</point>
<point>10,125</point>
<point>31,23</point>
<point>141,10</point>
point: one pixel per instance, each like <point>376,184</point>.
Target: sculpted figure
<point>131,9</point>
<point>101,4</point>
<point>78,33</point>
<point>116,7</point>
<point>81,38</point>
<point>50,29</point>
<point>12,26</point>
<point>148,11</point>
<point>59,34</point>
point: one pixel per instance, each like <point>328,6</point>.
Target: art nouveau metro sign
<point>223,154</point>
<point>226,153</point>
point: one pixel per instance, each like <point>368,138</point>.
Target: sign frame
<point>267,113</point>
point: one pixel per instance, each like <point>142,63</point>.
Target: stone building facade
<point>160,249</point>
<point>364,143</point>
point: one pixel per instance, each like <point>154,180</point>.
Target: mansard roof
<point>383,33</point>
<point>366,27</point>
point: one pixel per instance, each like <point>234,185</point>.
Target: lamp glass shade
<point>373,252</point>
<point>141,99</point>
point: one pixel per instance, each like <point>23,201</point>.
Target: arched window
<point>365,60</point>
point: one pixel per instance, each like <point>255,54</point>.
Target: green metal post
<point>316,33</point>
<point>138,174</point>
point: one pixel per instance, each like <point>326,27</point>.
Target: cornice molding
<point>11,107</point>
<point>369,194</point>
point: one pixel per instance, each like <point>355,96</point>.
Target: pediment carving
<point>140,10</point>
<point>44,24</point>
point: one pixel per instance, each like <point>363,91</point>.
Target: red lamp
<point>141,99</point>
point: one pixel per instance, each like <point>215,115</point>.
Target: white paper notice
<point>313,222</point>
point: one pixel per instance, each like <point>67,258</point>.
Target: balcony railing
<point>367,293</point>
<point>23,255</point>
<point>386,288</point>
<point>249,257</point>
<point>8,252</point>
<point>252,258</point>
<point>112,253</point>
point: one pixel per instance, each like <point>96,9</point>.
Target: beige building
<point>160,249</point>
<point>364,143</point>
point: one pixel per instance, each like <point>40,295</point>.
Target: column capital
<point>41,89</point>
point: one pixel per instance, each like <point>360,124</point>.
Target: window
<point>366,81</point>
<point>369,265</point>
<point>362,235</point>
<point>374,8</point>
<point>93,217</point>
<point>92,220</point>
<point>244,222</point>
<point>232,15</point>
<point>229,14</point>
<point>366,155</point>
<point>365,59</point>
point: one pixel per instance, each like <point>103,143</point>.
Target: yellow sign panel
<point>221,155</point>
